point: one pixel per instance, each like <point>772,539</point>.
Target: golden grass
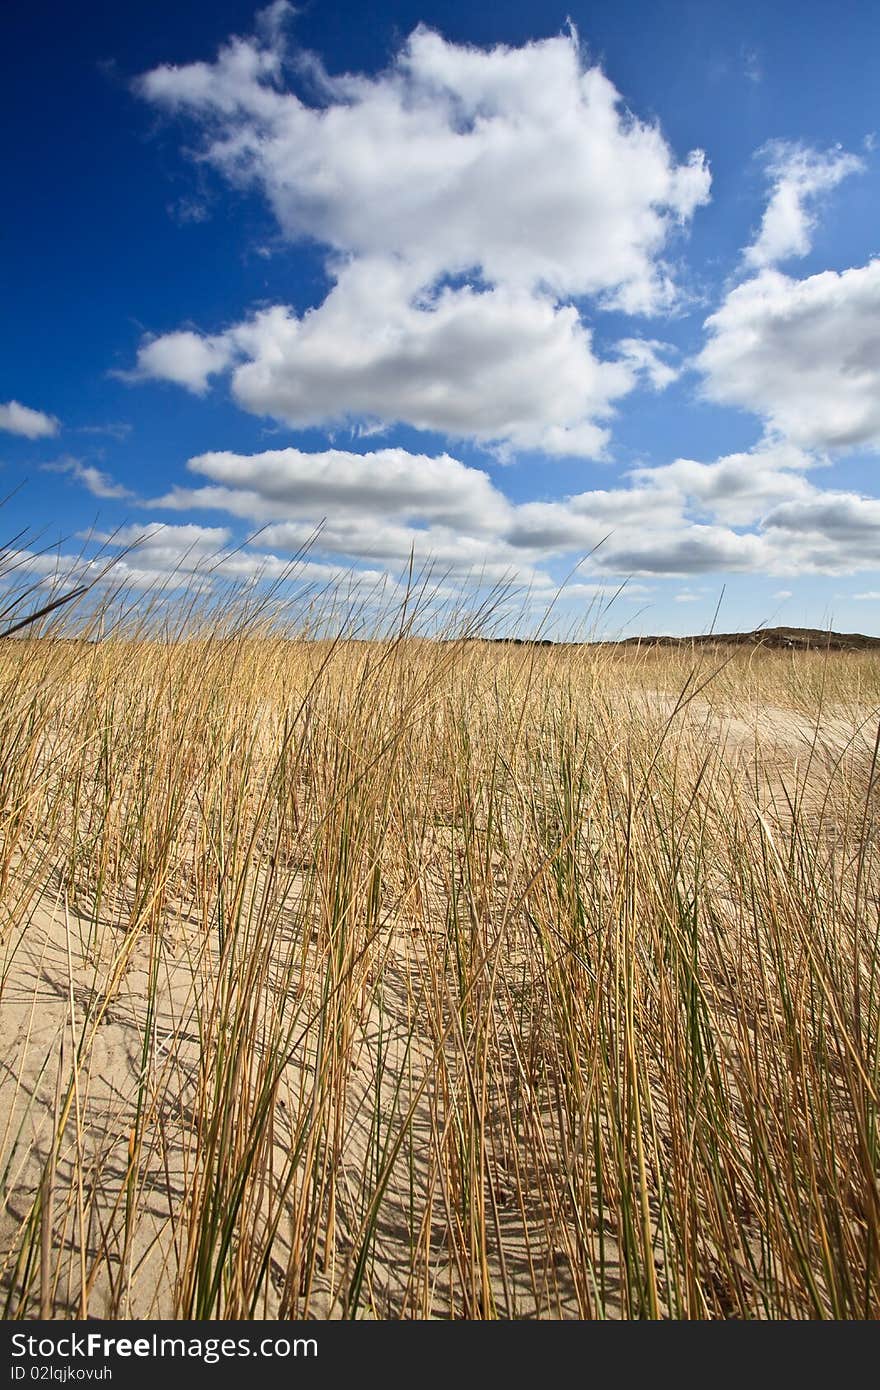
<point>412,978</point>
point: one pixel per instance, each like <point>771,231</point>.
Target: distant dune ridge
<point>794,638</point>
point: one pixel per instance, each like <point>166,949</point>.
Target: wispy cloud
<point>798,177</point>
<point>94,480</point>
<point>113,429</point>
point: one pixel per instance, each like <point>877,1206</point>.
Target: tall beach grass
<point>352,972</point>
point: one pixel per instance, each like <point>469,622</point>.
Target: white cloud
<point>738,489</point>
<point>502,366</point>
<point>183,539</point>
<point>386,483</point>
<point>750,513</point>
<point>167,559</point>
<point>370,507</point>
<point>469,202</point>
<point>157,554</point>
<point>838,532</point>
<point>646,355</point>
<point>94,480</point>
<point>156,545</point>
<point>690,548</point>
<point>448,550</point>
<point>33,424</point>
<point>745,513</point>
<point>871,596</point>
<point>463,196</point>
<point>803,354</point>
<point>382,505</point>
<point>48,564</point>
<point>186,358</point>
<point>521,163</point>
<point>588,519</point>
<point>798,176</point>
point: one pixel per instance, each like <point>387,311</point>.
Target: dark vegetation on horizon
<point>784,638</point>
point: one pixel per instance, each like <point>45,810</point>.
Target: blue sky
<point>508,288</point>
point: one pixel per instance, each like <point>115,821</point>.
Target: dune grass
<point>420,978</point>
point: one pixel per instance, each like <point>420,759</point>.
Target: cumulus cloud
<point>379,506</point>
<point>465,198</point>
<point>835,551</point>
<point>157,547</point>
<point>754,512</point>
<point>692,548</point>
<point>597,517</point>
<point>837,531</point>
<point>519,162</point>
<point>740,488</point>
<point>803,354</point>
<point>749,512</point>
<point>475,207</point>
<point>279,483</point>
<point>447,550</point>
<point>185,358</point>
<point>501,366</point>
<point>182,540</point>
<point>820,532</point>
<point>383,505</point>
<point>21,419</point>
<point>798,177</point>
